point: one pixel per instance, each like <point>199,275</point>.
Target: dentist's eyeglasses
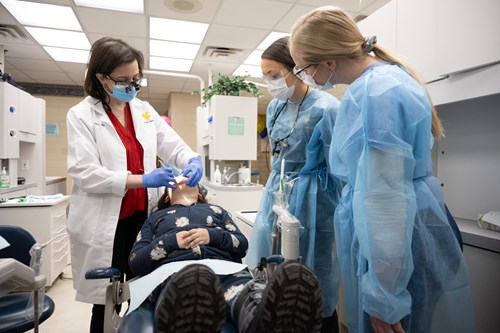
<point>300,72</point>
<point>121,82</point>
<point>135,83</point>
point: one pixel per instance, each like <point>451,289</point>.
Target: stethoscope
<point>281,143</point>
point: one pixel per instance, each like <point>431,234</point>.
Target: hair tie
<point>367,45</point>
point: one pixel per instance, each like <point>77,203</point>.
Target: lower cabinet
<point>47,223</point>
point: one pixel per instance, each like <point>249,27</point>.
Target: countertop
<point>54,179</point>
<point>247,217</point>
<point>35,204</point>
<point>17,188</point>
<point>475,236</point>
<point>233,188</point>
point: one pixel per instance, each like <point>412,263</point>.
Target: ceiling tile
<point>35,65</point>
<point>257,13</point>
<point>47,77</point>
<point>112,23</point>
<point>286,24</point>
<point>224,36</point>
<point>205,14</point>
<point>35,52</point>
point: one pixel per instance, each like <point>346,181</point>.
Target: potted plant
<point>229,86</point>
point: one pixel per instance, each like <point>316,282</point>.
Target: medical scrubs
<point>399,257</point>
<point>315,193</point>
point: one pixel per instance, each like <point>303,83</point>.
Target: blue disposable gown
<point>315,192</point>
<point>400,260</point>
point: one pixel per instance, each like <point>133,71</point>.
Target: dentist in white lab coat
<point>113,141</point>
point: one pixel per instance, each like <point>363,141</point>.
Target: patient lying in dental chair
<point>186,227</point>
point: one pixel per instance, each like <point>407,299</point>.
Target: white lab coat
<point>97,163</point>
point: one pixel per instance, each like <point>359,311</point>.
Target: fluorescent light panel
<point>252,70</point>
<point>170,64</point>
<point>68,55</point>
<point>271,38</point>
<point>60,38</point>
<point>177,31</point>
<point>166,49</point>
<point>132,6</point>
<point>254,58</point>
<point>43,15</point>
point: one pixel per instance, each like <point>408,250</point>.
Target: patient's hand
<point>192,238</point>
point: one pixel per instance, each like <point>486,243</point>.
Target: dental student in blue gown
<point>300,121</point>
<point>402,266</point>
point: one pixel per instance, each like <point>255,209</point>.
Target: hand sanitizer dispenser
<point>4,179</point>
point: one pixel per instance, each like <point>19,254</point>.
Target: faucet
<point>226,178</point>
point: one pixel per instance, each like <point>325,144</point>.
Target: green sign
<point>236,126</point>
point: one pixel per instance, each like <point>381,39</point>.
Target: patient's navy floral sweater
<point>156,243</point>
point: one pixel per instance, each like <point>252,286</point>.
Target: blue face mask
<point>124,93</point>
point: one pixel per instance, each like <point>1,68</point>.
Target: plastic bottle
<point>217,175</point>
<point>4,179</point>
<point>224,174</point>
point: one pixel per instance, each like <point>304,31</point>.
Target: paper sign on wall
<point>236,126</point>
<point>52,129</point>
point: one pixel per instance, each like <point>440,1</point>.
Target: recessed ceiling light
<point>42,15</point>
<point>132,6</point>
<point>271,38</point>
<point>177,31</point>
<point>60,38</point>
<point>254,58</point>
<point>253,71</point>
<point>166,49</point>
<point>68,55</point>
<point>184,6</point>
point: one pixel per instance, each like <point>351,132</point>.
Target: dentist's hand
<point>193,171</point>
<point>159,177</point>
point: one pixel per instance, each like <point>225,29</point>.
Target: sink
<point>239,185</point>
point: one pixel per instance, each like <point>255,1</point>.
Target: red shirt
<point>135,198</point>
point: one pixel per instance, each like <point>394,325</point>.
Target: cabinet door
<point>233,132</point>
<point>27,113</point>
<point>416,36</point>
<point>382,23</point>
<point>468,34</point>
<point>9,121</point>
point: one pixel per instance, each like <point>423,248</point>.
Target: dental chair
<point>18,310</point>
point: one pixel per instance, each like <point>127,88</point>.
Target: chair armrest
<point>103,273</point>
<point>15,275</point>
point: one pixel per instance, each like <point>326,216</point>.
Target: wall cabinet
<point>233,128</point>
<point>439,37</point>
<point>47,223</point>
<point>386,32</point>
<point>467,34</point>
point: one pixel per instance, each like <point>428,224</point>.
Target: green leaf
<point>231,86</point>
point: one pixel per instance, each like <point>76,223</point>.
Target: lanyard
<point>279,144</point>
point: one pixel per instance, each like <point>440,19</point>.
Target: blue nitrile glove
<point>193,171</point>
<point>159,177</point>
